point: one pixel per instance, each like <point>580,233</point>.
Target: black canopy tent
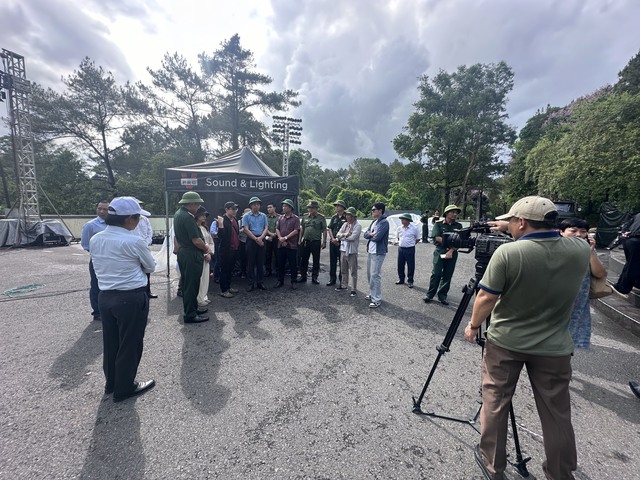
<point>236,176</point>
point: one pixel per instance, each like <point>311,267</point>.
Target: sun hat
<point>339,202</point>
<point>190,197</point>
<point>351,211</point>
<point>254,200</point>
<point>450,208</point>
<point>406,216</point>
<point>286,201</point>
<point>126,206</point>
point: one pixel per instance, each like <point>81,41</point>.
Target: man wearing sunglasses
<point>377,246</point>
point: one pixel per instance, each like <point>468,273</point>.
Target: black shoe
<point>293,286</point>
<point>261,287</point>
<point>108,390</point>
<point>302,279</point>
<point>197,319</point>
<point>410,284</point>
<point>250,288</point>
<point>635,388</point>
<point>200,311</point>
<point>400,282</point>
<point>478,456</point>
<point>97,318</point>
<point>315,281</point>
<point>141,387</point>
<point>443,302</point>
<point>179,293</point>
<point>279,284</point>
<point>331,283</point>
<point>153,295</point>
<point>427,299</point>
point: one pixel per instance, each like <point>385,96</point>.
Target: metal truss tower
<point>286,131</point>
<point>13,78</point>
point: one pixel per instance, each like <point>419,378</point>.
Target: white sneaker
<point>367,297</point>
<point>374,304</point>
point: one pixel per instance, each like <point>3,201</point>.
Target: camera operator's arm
<point>482,308</point>
<point>499,225</point>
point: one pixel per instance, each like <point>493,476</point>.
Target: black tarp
<point>610,220</point>
<point>236,176</point>
<point>16,232</point>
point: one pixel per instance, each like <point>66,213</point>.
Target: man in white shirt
<point>145,231</point>
<point>408,235</point>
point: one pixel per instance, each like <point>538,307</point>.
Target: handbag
<point>599,288</point>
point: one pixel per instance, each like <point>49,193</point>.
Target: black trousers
<point>406,256</point>
<point>227,262</point>
<point>190,262</point>
<point>271,255</point>
<point>287,255</point>
<point>94,290</point>
<point>255,262</point>
<point>124,320</point>
<point>630,276</point>
<point>334,259</point>
<point>310,247</point>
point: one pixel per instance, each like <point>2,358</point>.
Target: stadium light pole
<point>286,130</point>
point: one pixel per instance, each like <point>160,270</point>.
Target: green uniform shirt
<point>272,223</point>
<point>313,226</point>
<point>185,228</point>
<point>537,278</point>
<point>439,228</point>
<point>336,222</point>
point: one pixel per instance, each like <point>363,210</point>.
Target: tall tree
<point>92,113</point>
<point>239,90</point>
<point>629,77</point>
<point>369,174</point>
<point>459,127</point>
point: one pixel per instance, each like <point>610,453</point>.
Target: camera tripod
<point>468,291</point>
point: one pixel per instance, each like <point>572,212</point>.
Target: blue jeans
<point>374,267</point>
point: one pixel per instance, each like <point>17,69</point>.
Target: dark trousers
<point>287,255</point>
<point>215,261</point>
<point>94,290</point>
<point>227,262</point>
<point>630,276</point>
<point>190,262</point>
<point>149,283</point>
<point>334,259</point>
<point>406,256</point>
<point>309,248</point>
<point>441,274</point>
<point>241,258</point>
<point>271,255</point>
<point>255,263</point>
<point>425,232</point>
<point>124,319</point>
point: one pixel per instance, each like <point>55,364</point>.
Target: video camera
<point>484,242</point>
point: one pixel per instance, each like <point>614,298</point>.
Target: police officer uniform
<point>443,268</point>
<point>313,239</point>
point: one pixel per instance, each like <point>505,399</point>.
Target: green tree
<point>629,77</point>
<point>459,128</point>
<point>369,174</point>
<point>238,92</point>
<point>91,113</point>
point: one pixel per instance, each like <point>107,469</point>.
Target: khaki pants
<point>349,264</point>
<point>549,378</point>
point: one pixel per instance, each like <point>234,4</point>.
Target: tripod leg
<point>521,464</point>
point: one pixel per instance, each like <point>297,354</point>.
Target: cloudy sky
<point>355,63</point>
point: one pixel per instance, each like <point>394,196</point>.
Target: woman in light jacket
<point>349,236</point>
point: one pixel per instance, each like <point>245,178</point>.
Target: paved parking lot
<point>279,384</point>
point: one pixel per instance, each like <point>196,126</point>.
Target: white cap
<point>530,208</point>
<point>126,206</point>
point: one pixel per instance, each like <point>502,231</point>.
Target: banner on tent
<point>203,182</point>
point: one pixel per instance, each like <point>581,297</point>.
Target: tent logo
<point>189,181</point>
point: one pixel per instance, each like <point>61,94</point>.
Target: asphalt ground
<point>305,384</point>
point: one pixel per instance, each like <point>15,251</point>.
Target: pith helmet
<point>190,197</point>
<point>288,202</point>
<point>450,208</point>
<point>351,211</point>
<point>406,216</point>
<point>254,200</point>
<point>339,202</point>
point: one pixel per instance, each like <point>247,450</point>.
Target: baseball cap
<point>126,206</point>
<point>530,208</point>
<point>230,205</point>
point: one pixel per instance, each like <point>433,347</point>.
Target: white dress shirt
<point>144,230</point>
<point>408,236</point>
<point>121,259</point>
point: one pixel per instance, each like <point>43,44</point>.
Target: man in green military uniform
<point>335,224</point>
<point>444,259</point>
<point>313,231</point>
<point>192,250</point>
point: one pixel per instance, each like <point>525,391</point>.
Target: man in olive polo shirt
<point>335,224</point>
<point>313,231</point>
<point>191,255</point>
<point>528,289</point>
<point>444,259</point>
